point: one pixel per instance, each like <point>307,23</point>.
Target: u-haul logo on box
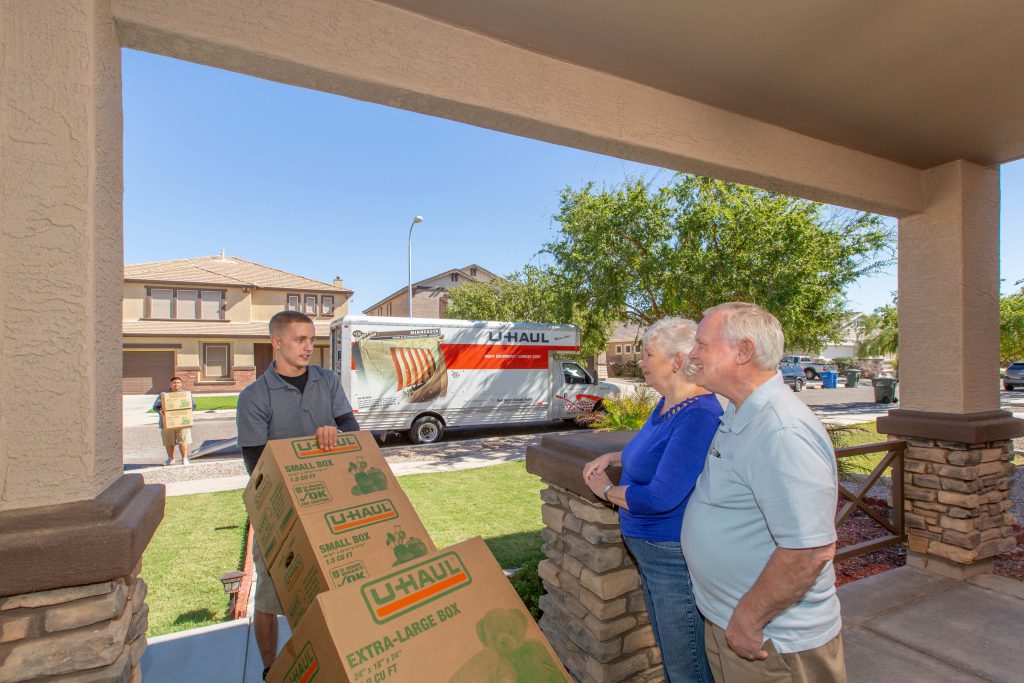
<point>309,448</point>
<point>396,594</point>
<point>291,577</point>
<point>358,516</point>
<point>304,668</point>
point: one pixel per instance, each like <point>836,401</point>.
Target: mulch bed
<point>859,527</point>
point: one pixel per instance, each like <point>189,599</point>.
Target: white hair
<point>741,321</point>
<point>673,335</point>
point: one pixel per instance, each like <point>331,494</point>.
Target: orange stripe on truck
<point>499,356</point>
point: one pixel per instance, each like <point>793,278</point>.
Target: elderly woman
<point>659,469</point>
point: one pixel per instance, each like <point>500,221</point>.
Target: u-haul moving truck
<point>422,374</point>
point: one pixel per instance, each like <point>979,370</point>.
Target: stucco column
<point>72,528</point>
<point>958,474</point>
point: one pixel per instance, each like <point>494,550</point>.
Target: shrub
<point>627,411</point>
<point>629,368</point>
<point>528,585</point>
<point>844,363</point>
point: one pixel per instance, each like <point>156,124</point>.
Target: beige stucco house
<point>429,296</point>
<point>205,320</point>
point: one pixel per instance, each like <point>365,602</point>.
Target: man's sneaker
<point>169,461</point>
<point>184,461</point>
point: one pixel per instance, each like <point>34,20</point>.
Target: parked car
<point>812,367</point>
<point>793,375</point>
<point>1014,376</point>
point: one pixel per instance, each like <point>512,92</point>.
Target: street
<point>213,437</point>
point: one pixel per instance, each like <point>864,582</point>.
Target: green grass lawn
<point>201,537</point>
<point>213,403</point>
<point>500,503</point>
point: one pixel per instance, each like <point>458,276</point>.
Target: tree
<point>639,254</point>
<point>1011,326</point>
<point>881,331</point>
<point>531,295</point>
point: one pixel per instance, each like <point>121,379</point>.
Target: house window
<point>443,307</point>
<point>185,304</point>
<point>472,271</point>
<point>210,305</point>
<point>293,302</point>
<point>629,348</point>
<point>618,349</point>
<point>161,302</point>
<point>216,361</point>
<point>310,304</point>
<point>327,305</point>
<point>455,277</point>
<point>166,303</point>
<point>389,308</point>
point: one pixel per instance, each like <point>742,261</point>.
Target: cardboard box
<point>340,493</point>
<point>452,616</point>
<point>176,419</point>
<point>176,400</point>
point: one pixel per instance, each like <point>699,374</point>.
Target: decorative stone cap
<point>966,428</point>
<point>559,458</point>
<point>83,542</point>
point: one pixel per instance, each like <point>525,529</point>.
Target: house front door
<point>263,355</point>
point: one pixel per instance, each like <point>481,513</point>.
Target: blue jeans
<point>678,626</point>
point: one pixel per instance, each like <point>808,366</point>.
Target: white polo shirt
<point>769,482</point>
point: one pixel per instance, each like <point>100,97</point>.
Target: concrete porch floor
<point>903,625</point>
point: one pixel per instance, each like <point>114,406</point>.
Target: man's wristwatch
<point>605,490</point>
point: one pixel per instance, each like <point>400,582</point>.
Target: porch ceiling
<point>918,82</point>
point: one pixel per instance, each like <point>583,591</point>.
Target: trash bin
<point>885,389</point>
<point>852,378</point>
<point>829,379</point>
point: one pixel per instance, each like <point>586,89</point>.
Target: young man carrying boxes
<point>175,407</point>
<point>291,399</point>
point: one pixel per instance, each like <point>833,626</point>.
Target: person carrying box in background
<point>180,437</point>
<point>291,399</point>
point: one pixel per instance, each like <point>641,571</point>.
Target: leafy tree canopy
<point>636,253</point>
<point>639,254</point>
<point>881,331</point>
<point>1011,326</point>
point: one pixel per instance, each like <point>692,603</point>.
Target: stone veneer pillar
<point>958,474</point>
<point>594,611</point>
<point>957,482</point>
<point>72,526</point>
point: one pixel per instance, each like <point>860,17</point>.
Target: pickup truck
<point>812,366</point>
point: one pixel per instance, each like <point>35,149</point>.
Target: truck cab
<point>575,391</point>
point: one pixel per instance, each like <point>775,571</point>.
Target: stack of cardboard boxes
<point>365,591</point>
<point>177,409</point>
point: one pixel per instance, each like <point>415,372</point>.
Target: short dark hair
<point>177,378</point>
<point>284,318</point>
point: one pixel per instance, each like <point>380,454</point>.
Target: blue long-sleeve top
<point>661,465</point>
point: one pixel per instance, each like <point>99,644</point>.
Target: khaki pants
<point>820,665</point>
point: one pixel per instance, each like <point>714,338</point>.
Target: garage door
<point>146,372</point>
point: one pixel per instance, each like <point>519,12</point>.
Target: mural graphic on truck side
<point>410,363</point>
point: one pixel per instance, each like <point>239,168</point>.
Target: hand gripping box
<point>339,513</point>
<point>451,616</point>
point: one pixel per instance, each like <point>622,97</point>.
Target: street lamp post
<point>415,220</point>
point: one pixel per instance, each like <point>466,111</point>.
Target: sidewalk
<point>902,625</point>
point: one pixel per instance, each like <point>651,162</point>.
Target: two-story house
<point>429,296</point>
<point>205,320</point>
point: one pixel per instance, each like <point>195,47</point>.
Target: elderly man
<point>758,535</point>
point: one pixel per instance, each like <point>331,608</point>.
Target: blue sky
<point>321,185</point>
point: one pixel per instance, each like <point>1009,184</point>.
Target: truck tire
<point>798,384</point>
<point>426,429</point>
<point>1007,386</point>
<point>810,374</point>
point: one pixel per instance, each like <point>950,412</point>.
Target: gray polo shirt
<point>270,408</point>
<point>769,482</point>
